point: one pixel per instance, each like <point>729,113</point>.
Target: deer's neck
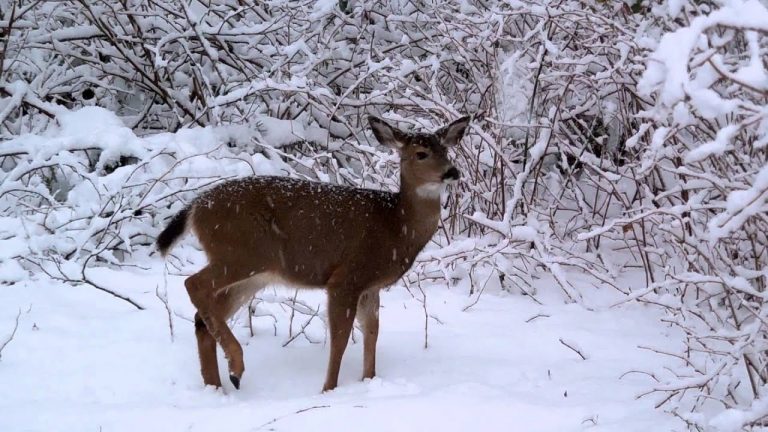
<point>419,211</point>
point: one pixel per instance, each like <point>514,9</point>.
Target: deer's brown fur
<point>262,230</point>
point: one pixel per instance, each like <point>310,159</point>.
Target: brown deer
<point>352,242</point>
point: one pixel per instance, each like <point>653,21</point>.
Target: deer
<point>352,242</point>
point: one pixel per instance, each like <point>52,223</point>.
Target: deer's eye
<point>421,155</point>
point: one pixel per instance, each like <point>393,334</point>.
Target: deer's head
<point>424,163</point>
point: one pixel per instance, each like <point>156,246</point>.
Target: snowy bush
<point>703,167</point>
<point>550,87</point>
<point>324,68</point>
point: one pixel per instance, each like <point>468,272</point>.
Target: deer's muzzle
<point>451,175</point>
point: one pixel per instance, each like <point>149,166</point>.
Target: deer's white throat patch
<point>430,190</point>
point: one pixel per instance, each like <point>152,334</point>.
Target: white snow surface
<point>84,361</point>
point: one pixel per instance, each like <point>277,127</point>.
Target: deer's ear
<point>451,135</point>
<point>385,133</point>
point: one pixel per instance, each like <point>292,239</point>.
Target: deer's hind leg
<point>217,292</point>
<point>206,349</point>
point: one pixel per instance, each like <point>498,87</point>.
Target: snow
<point>322,8</point>
<point>525,233</point>
<point>11,272</point>
<point>710,105</point>
<point>83,361</point>
<point>718,146</point>
<point>674,7</point>
<point>731,420</point>
<point>754,74</point>
<point>277,132</point>
<point>762,131</point>
<point>740,205</point>
<point>77,32</point>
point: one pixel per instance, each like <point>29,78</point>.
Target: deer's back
<point>299,229</point>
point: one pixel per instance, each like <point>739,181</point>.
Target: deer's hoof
<point>235,381</point>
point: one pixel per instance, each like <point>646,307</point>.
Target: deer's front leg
<point>341,315</point>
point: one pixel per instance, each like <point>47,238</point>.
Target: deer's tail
<point>173,231</point>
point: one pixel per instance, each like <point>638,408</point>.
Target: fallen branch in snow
<point>539,315</point>
<point>573,347</point>
<point>10,337</point>
<point>87,281</point>
<point>83,280</point>
<point>648,374</point>
<point>303,410</point>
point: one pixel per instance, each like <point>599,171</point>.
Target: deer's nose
<point>451,175</point>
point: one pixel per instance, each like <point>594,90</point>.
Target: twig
<point>303,410</point>
<point>87,281</point>
<point>480,293</point>
<point>10,337</point>
<point>426,314</point>
<point>540,315</point>
<point>164,299</point>
<point>577,351</point>
<point>303,328</point>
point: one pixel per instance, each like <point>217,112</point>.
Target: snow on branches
<point>707,165</point>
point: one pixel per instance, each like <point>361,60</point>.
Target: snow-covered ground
<point>84,361</point>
